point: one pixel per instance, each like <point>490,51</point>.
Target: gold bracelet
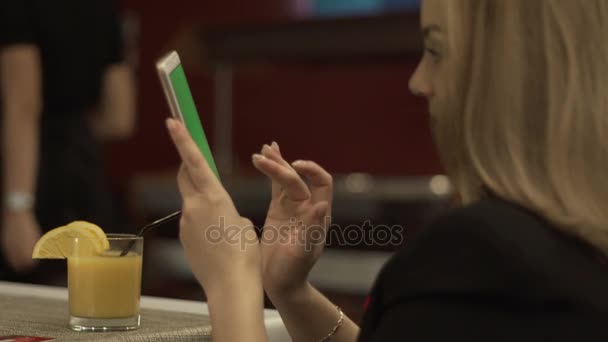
<point>335,329</point>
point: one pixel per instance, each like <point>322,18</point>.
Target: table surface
<point>274,325</point>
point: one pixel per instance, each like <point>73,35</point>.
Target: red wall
<point>348,119</point>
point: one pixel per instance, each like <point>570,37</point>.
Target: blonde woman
<point>517,90</point>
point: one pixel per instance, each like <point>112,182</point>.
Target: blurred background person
<point>65,88</point>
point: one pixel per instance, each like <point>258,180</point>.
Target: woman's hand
<point>296,225</point>
<point>221,246</point>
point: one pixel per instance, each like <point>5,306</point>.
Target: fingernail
<point>275,145</point>
<point>170,123</point>
<point>257,157</point>
<point>266,148</point>
<point>297,162</point>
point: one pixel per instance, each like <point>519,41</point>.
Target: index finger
<point>287,179</point>
<point>201,174</point>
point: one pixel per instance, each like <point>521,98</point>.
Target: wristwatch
<point>18,201</point>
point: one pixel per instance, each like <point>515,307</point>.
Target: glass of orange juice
<point>104,290</point>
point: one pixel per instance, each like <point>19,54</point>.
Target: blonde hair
<point>527,108</point>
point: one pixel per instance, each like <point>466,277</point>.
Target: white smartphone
<point>177,92</point>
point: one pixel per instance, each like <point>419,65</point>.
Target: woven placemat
<point>27,316</point>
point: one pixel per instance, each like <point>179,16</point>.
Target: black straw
<point>149,226</point>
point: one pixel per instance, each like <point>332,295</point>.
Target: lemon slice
<point>78,238</point>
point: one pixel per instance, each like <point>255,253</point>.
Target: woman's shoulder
<point>491,217</point>
<point>492,246</point>
<point>507,227</point>
<point>483,240</point>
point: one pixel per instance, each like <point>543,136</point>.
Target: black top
<point>491,271</point>
<point>77,39</point>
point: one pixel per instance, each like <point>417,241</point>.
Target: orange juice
<point>104,286</point>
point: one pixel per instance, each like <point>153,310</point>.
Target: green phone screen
<point>190,114</point>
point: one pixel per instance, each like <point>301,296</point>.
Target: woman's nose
<point>420,84</point>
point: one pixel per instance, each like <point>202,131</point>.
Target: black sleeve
<point>16,22</point>
<point>452,282</point>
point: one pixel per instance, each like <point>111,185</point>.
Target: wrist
<point>291,295</point>
<point>231,297</point>
<point>233,285</point>
<point>235,295</point>
<point>16,202</point>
